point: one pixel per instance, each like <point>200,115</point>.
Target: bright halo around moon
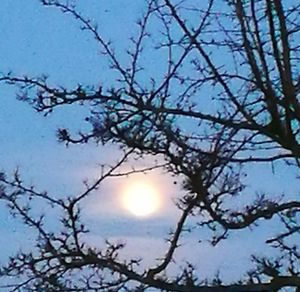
<point>141,199</point>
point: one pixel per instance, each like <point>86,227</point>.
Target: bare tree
<point>228,99</point>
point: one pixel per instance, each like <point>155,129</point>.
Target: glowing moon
<point>141,199</point>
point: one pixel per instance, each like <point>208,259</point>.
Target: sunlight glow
<point>141,199</point>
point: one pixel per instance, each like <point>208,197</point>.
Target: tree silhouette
<point>228,99</point>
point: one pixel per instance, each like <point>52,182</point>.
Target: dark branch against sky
<point>198,127</point>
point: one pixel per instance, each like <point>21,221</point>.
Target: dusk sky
<point>36,40</point>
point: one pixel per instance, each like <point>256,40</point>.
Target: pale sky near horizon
<point>38,40</point>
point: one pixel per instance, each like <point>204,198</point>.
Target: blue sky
<point>38,40</point>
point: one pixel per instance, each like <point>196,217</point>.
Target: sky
<point>38,40</point>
